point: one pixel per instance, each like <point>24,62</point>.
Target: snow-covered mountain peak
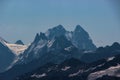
<point>56,40</point>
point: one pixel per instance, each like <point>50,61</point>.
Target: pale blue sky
<point>22,19</point>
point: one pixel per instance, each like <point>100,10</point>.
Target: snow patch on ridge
<point>50,43</point>
<point>111,58</point>
<point>76,74</point>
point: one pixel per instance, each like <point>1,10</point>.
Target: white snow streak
<point>110,71</point>
<point>111,58</point>
<point>76,74</point>
<point>39,75</point>
<point>65,68</point>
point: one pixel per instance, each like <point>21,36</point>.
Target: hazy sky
<point>22,19</point>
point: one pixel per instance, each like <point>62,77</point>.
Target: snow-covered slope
<point>17,48</point>
<point>112,71</point>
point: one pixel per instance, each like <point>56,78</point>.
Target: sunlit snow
<point>16,48</point>
<point>75,74</point>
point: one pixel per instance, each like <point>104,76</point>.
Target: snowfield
<point>112,71</point>
<point>16,48</point>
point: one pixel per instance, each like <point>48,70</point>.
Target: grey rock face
<point>81,39</point>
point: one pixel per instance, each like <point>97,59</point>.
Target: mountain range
<point>58,54</point>
<point>73,69</point>
<point>57,44</point>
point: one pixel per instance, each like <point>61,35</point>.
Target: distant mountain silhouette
<point>19,42</point>
<point>102,52</point>
<point>62,55</point>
